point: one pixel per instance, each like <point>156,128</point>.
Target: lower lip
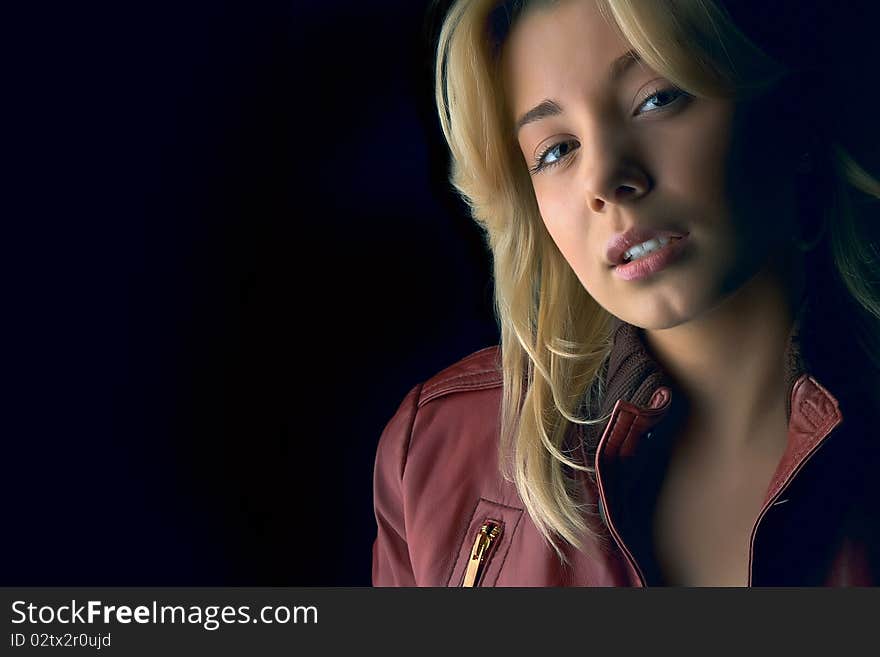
<point>651,263</point>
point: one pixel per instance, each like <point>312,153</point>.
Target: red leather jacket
<point>446,517</point>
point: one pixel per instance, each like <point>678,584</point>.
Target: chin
<point>657,324</point>
<point>662,311</point>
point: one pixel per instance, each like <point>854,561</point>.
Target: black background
<point>233,251</point>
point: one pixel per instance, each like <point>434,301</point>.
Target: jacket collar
<point>640,394</point>
<point>638,387</point>
<point>634,375</point>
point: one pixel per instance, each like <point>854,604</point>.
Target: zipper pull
<point>487,534</point>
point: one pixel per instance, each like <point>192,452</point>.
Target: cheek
<point>720,170</point>
<point>696,165</point>
<point>563,224</point>
<point>580,246</point>
<point>557,219</point>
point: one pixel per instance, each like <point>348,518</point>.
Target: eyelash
<point>539,166</point>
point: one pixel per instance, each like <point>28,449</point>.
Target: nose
<point>619,186</point>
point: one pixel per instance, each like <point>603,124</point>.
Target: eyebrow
<point>549,107</point>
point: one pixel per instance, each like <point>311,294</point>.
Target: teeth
<point>643,249</point>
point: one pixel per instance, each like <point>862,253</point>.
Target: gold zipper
<point>487,534</point>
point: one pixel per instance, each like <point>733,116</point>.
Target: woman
<point>687,288</point>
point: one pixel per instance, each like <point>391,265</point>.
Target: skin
<point>719,318</point>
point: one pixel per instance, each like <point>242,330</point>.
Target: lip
<point>653,262</point>
<point>621,242</point>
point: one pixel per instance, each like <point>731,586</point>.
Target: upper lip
<point>621,242</point>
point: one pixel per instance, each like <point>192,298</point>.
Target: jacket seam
<point>467,359</point>
<point>403,465</point>
<point>810,410</point>
<point>410,432</point>
<point>797,457</point>
<point>629,430</point>
<point>445,380</point>
<point>461,386</point>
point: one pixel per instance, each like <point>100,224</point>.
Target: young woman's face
<point>632,151</point>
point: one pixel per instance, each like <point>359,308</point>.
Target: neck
<point>733,372</point>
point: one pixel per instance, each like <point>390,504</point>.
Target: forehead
<point>554,50</point>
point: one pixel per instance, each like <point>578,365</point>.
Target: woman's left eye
<point>657,98</point>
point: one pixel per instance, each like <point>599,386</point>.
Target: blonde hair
<point>555,338</point>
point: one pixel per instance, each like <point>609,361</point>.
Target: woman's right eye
<point>553,155</point>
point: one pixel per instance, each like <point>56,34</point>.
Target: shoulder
<point>478,371</point>
<point>456,412</point>
<point>438,471</point>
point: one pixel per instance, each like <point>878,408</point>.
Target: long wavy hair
<point>555,338</point>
